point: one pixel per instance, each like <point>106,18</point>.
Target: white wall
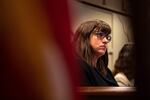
<point>122,33</point>
<point>121,28</point>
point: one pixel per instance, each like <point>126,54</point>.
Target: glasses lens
<point>102,34</point>
<point>108,38</point>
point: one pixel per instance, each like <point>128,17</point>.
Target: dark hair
<point>82,43</point>
<point>126,61</point>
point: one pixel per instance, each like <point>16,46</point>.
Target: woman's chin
<point>101,52</point>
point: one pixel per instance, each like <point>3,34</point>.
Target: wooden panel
<point>117,6</point>
<point>109,91</point>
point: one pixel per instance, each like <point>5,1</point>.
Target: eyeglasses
<point>101,34</point>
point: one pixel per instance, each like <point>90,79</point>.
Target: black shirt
<point>90,76</point>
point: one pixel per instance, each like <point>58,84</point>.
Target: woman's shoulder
<point>120,75</point>
<point>122,80</point>
<point>83,66</point>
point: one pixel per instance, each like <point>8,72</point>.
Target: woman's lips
<point>102,47</point>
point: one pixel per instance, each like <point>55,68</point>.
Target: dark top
<point>90,76</point>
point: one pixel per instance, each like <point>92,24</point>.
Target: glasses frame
<point>101,34</point>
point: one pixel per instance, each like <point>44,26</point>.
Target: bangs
<point>105,29</point>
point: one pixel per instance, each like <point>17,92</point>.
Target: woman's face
<point>99,44</point>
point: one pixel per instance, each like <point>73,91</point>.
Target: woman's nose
<point>105,40</point>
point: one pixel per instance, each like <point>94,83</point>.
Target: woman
<point>125,66</point>
<point>91,39</point>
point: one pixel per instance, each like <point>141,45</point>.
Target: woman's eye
<point>108,38</point>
